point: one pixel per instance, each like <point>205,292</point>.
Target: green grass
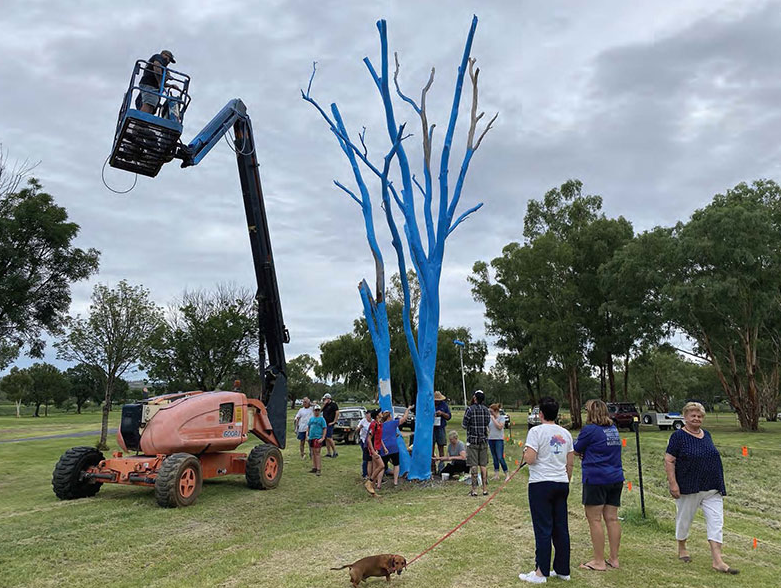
<point>290,536</point>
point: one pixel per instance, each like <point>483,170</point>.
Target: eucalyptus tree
<point>38,264</point>
<point>426,259</point>
<point>112,338</point>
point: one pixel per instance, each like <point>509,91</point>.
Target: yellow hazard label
<point>238,415</point>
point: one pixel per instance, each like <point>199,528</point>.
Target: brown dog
<point>375,565</point>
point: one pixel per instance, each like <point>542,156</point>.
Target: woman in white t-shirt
<point>302,423</point>
<point>548,452</point>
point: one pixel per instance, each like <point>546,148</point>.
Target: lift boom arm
<point>273,333</point>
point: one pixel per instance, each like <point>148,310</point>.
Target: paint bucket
<point>445,477</point>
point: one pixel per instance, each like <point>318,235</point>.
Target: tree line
<point>582,295</point>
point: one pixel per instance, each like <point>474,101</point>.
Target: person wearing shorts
<point>316,434</point>
<point>475,422</point>
<point>390,432</point>
<point>152,80</point>
<point>441,416</point>
<point>301,423</point>
<point>331,415</point>
<point>599,446</point>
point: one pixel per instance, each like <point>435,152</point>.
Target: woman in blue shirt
<point>696,479</point>
<point>599,446</point>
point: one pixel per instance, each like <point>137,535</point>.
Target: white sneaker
<point>553,574</point>
<point>532,578</point>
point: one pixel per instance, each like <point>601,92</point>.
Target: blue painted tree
<point>426,259</point>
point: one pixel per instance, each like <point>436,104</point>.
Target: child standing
<point>316,435</point>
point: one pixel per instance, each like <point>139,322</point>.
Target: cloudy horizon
<point>655,107</point>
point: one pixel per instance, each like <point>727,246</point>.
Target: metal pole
<point>463,380</point>
<point>639,465</point>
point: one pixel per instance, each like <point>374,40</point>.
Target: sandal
<point>585,566</point>
<point>485,492</point>
<point>472,493</point>
<point>685,558</point>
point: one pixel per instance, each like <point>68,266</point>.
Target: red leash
<point>467,519</point>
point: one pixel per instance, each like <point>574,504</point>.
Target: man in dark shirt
<point>152,81</point>
<point>476,420</point>
<point>331,415</point>
<point>441,417</point>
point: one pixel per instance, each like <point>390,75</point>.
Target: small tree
<point>205,337</point>
<point>86,384</point>
<point>49,385</point>
<point>17,385</point>
<point>299,380</point>
<point>112,338</point>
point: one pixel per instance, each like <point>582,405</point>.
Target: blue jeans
<point>548,505</point>
<point>497,453</point>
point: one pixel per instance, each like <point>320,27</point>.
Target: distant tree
<point>113,337</point>
<point>205,337</point>
<point>49,386</point>
<point>86,383</point>
<point>299,379</point>
<point>38,263</point>
<point>17,385</point>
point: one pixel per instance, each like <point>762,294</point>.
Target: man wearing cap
<point>331,415</point>
<point>476,422</point>
<point>151,83</point>
<point>441,417</point>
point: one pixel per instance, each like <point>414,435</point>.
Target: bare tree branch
<point>350,192</point>
<point>474,117</point>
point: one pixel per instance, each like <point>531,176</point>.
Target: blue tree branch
<point>350,192</point>
<point>463,217</point>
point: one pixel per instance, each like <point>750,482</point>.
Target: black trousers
<point>548,505</point>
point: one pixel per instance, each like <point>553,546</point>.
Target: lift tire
<point>264,467</point>
<point>179,481</point>
<point>67,473</point>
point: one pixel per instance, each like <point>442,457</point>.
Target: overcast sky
<point>654,105</point>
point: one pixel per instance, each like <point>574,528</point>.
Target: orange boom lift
<point>175,441</point>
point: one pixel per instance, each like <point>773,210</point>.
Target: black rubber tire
<point>260,472</point>
<point>647,419</point>
<point>677,425</point>
<point>168,491</point>
<point>65,478</point>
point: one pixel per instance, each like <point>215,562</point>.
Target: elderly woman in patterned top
<point>696,479</point>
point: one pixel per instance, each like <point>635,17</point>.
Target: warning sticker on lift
<point>238,416</point>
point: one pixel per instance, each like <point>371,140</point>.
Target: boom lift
<point>173,442</point>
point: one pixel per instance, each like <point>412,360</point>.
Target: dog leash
<point>467,519</point>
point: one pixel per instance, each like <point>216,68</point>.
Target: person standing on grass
<point>476,419</point>
<point>362,432</point>
<point>377,449</point>
<point>302,423</point>
<point>599,446</point>
<point>550,456</point>
<point>496,441</point>
<point>696,479</point>
<point>441,416</point>
<point>390,434</point>
<point>331,415</point>
<point>316,428</point>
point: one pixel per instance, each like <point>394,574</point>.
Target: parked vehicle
<point>398,412</point>
<point>345,427</point>
<point>623,414</point>
<point>534,417</point>
<point>664,420</point>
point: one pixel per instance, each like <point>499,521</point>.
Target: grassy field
<point>290,536</point>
